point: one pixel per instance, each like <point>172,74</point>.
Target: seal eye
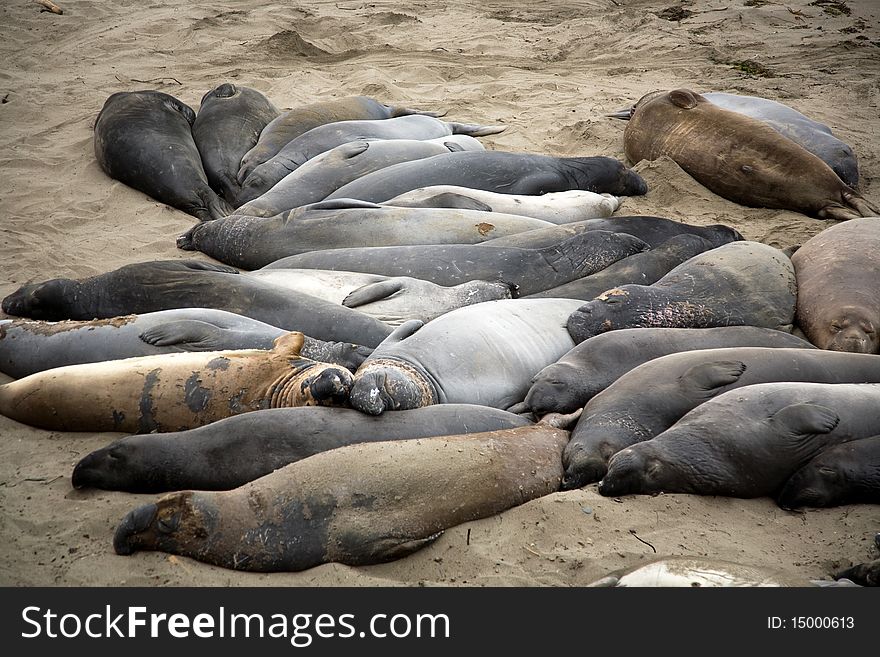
<point>828,473</point>
<point>835,327</point>
<point>168,524</point>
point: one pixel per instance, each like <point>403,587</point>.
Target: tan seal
<point>738,157</point>
<point>173,392</point>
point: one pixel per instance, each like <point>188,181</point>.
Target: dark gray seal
<point>29,346</point>
<point>838,275</point>
<point>327,172</point>
<point>844,474</point>
<point>166,284</point>
<point>325,137</point>
<point>227,126</point>
<point>144,139</point>
<point>738,284</point>
<point>231,452</point>
<point>649,399</point>
<point>815,137</point>
<point>482,354</point>
<point>358,504</point>
<point>531,270</point>
<point>499,171</point>
<point>254,242</point>
<point>746,442</point>
<point>642,268</point>
<point>863,574</point>
<point>293,123</point>
<point>653,230</point>
<point>595,364</point>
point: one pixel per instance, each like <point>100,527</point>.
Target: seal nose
<point>134,523</point>
<point>331,387</point>
<point>366,394</point>
<point>187,240</point>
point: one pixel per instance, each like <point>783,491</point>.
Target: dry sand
<point>550,71</point>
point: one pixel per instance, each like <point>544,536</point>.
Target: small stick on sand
<point>50,6</point>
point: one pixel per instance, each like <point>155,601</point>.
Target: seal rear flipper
<point>372,292</point>
<point>193,334</point>
<point>861,205</point>
<point>214,206</point>
<point>389,549</point>
<point>705,379</point>
<point>341,204</point>
<point>353,148</point>
<point>475,130</point>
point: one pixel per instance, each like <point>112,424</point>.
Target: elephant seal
<point>231,452</point>
<point>811,135</point>
<point>483,354</point>
<point>863,574</point>
<point>779,427</point>
<point>649,399</point>
<point>227,126</point>
<point>653,230</point>
<point>642,268</point>
<point>144,139</point>
<point>838,276</point>
<point>738,157</point>
<point>254,242</point>
<point>29,346</point>
<point>291,124</point>
<point>530,270</point>
<point>355,505</point>
<point>498,171</point>
<point>844,474</point>
<point>738,284</point>
<point>696,572</point>
<point>165,284</point>
<point>392,300</point>
<point>596,363</point>
<point>325,173</point>
<point>555,207</point>
<point>172,392</point>
<point>321,139</point>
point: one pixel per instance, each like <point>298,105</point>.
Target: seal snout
<point>367,394</point>
<point>135,522</point>
<point>331,387</point>
<point>582,470</point>
<point>187,241</point>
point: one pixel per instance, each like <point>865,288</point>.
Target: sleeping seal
<point>531,270</point>
<point>738,157</point>
<point>596,363</point>
<point>29,346</point>
<point>165,284</point>
<point>498,171</point>
<point>144,139</point>
<point>555,207</point>
<point>327,172</point>
<point>254,242</point>
<point>746,442</point>
<point>227,126</point>
<point>838,276</point>
<point>231,452</point>
<point>693,572</point>
<point>738,284</point>
<point>843,474</point>
<point>356,505</point>
<point>293,123</point>
<point>649,399</point>
<point>172,392</point>
<point>482,354</point>
<point>322,138</point>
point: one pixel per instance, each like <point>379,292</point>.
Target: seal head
<point>389,384</point>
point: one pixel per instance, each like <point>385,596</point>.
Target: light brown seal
<point>838,277</point>
<point>357,505</point>
<point>173,392</point>
<point>738,157</point>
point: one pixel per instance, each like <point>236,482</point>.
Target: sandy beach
<point>550,71</point>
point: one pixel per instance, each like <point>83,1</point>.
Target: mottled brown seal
<point>172,392</point>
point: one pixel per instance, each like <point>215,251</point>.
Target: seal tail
<point>861,205</point>
<point>475,130</point>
